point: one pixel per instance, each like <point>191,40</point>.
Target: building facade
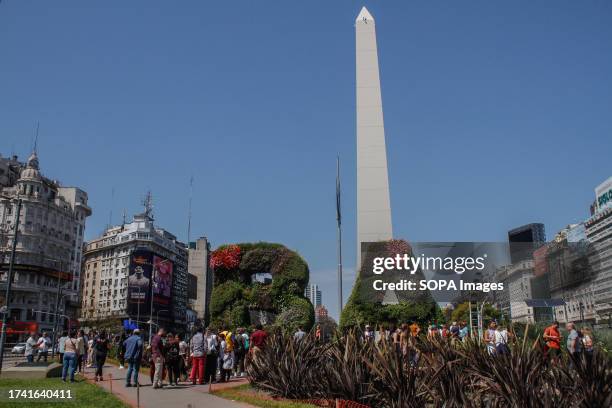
<point>199,256</point>
<point>524,240</point>
<point>48,257</point>
<point>313,294</point>
<point>321,313</point>
<point>598,230</point>
<point>580,264</point>
<point>132,268</point>
<point>517,279</point>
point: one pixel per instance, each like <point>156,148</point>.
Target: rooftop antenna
<point>124,216</point>
<point>110,215</point>
<point>35,147</point>
<point>147,202</point>
<point>189,211</point>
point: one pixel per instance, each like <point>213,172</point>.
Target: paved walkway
<point>185,395</point>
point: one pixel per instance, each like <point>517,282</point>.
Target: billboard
<point>162,282</point>
<point>603,195</point>
<point>149,275</point>
<point>139,282</point>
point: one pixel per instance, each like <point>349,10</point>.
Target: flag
<point>338,213</point>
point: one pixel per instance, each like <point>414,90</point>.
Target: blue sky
<point>496,114</point>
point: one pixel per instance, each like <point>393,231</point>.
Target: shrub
<point>235,294</point>
<point>433,373</point>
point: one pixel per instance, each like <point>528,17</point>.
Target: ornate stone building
<point>49,243</point>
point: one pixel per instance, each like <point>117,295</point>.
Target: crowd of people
<point>218,355</point>
<point>75,349</point>
<point>496,338</point>
<point>208,356</point>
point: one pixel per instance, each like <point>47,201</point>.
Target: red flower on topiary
<point>398,246</point>
<point>226,258</point>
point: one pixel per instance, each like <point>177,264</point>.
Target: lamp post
<point>58,296</point>
<point>9,283</point>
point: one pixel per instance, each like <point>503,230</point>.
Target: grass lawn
<point>84,395</point>
<point>246,393</point>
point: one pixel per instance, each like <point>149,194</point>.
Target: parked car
<point>19,348</point>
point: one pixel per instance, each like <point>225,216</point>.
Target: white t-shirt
<point>43,344</point>
<point>501,337</point>
<point>61,342</point>
<point>212,343</point>
<point>30,343</point>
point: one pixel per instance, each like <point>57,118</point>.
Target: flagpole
<point>339,222</point>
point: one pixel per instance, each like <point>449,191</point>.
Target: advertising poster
<point>139,282</point>
<point>162,282</point>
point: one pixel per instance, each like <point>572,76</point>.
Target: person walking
<point>90,348</point>
<point>368,334</point>
<point>212,354</point>
<point>133,346</point>
<point>258,338</point>
<point>501,340</point>
<point>197,349</point>
<point>299,334</point>
<point>464,331</point>
<point>81,343</point>
<point>183,356</point>
<point>172,359</point>
<point>239,353</point>
<point>587,346</point>
<point>489,337</point>
<point>60,346</point>
<point>227,358</point>
<point>69,355</point>
<point>101,347</point>
<point>31,345</point>
<point>454,330</point>
<point>573,343</point>
<point>157,355</point>
<point>121,350</point>
<point>552,339</point>
<point>43,343</point>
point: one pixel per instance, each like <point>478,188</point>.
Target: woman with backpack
<point>172,359</point>
<point>212,354</point>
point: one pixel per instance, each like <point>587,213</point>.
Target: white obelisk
<point>373,202</point>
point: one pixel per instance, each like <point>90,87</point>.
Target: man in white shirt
<point>43,344</point>
<point>30,346</point>
<point>501,340</point>
<point>60,345</point>
<point>299,334</point>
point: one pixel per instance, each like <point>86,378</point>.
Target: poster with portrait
<point>139,282</point>
<point>162,281</point>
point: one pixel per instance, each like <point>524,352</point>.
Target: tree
<point>462,313</point>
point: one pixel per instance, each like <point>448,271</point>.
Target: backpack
<point>212,349</point>
<point>238,343</point>
<point>173,352</point>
